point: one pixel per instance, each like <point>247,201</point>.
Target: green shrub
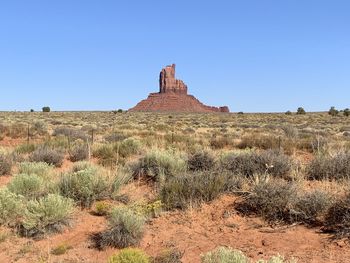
<point>122,177</point>
<point>29,185</point>
<point>268,162</point>
<point>83,165</point>
<point>125,229</point>
<point>346,112</point>
<point>11,207</point>
<point>47,214</point>
<point>333,112</point>
<point>106,155</point>
<point>201,161</point>
<point>224,255</point>
<point>5,165</point>
<point>41,169</point>
<point>79,153</point>
<point>85,186</point>
<point>102,208</point>
<point>127,147</point>
<point>129,255</point>
<point>156,164</point>
<point>47,155</point>
<point>329,168</point>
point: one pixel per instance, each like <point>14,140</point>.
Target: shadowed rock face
<point>173,97</point>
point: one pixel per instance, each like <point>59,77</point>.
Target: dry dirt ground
<point>193,232</point>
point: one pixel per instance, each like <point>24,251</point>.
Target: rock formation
<point>173,97</point>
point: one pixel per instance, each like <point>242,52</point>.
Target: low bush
<point>86,186</point>
<point>220,142</point>
<point>79,153</point>
<point>11,207</point>
<point>129,255</point>
<point>338,218</point>
<point>102,208</point>
<point>329,168</point>
<point>125,229</point>
<point>106,155</point>
<point>5,165</point>
<point>272,200</point>
<point>156,164</point>
<point>41,169</point>
<point>71,133</point>
<point>47,214</point>
<point>201,161</point>
<point>127,147</point>
<point>192,189</point>
<point>224,255</point>
<point>270,162</point>
<point>25,148</point>
<point>47,155</point>
<point>29,185</point>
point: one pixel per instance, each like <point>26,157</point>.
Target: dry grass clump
<point>5,165</point>
<point>330,168</point>
<point>71,133</point>
<point>39,168</point>
<point>224,255</point>
<point>260,141</point>
<point>125,229</point>
<point>47,155</point>
<point>172,255</point>
<point>248,164</point>
<point>11,206</point>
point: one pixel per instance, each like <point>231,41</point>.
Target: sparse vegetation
<point>47,155</point>
<point>129,255</point>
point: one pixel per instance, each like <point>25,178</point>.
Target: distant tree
<point>120,111</point>
<point>346,112</point>
<point>301,111</point>
<point>31,110</point>
<point>46,109</point>
<point>240,112</point>
<point>333,112</point>
<point>288,112</point>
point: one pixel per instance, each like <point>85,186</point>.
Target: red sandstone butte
<point>173,97</point>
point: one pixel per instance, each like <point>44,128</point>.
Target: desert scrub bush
<point>30,186</point>
<point>247,164</point>
<point>272,200</point>
<point>337,219</point>
<point>312,207</point>
<point>47,155</point>
<point>147,210</point>
<point>156,164</point>
<point>45,215</point>
<point>61,249</point>
<point>201,161</point>
<point>83,165</point>
<point>129,255</point>
<point>122,177</point>
<point>86,186</point>
<point>125,229</point>
<point>5,164</point>
<point>127,147</point>
<point>115,137</point>
<point>79,153</point>
<point>220,142</point>
<point>41,169</point>
<point>11,206</point>
<point>224,255</point>
<point>102,208</point>
<point>71,133</point>
<point>193,188</point>
<point>106,155</point>
<point>329,168</point>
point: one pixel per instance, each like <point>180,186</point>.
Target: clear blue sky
<point>252,55</point>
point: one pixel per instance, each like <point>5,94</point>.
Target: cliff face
<point>173,97</point>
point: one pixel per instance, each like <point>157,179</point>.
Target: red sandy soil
<point>193,232</point>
